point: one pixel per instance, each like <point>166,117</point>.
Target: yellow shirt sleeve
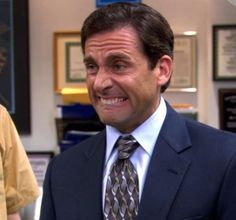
<point>18,185</point>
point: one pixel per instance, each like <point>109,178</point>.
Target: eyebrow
<point>115,56</point>
<point>110,58</point>
<point>88,59</point>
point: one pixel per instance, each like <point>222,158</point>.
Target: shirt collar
<point>142,133</point>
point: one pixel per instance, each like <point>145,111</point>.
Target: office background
<point>46,17</point>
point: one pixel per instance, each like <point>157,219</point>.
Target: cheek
<point>88,78</point>
<point>89,81</point>
<point>89,84</point>
<point>146,89</point>
<point>145,81</point>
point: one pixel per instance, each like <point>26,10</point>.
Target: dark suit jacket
<point>191,176</point>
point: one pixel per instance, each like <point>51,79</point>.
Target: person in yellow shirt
<point>18,185</point>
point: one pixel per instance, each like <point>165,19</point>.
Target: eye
<point>91,68</point>
<point>119,66</point>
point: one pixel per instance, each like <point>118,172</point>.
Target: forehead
<point>123,39</point>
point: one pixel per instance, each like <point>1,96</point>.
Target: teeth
<point>111,101</point>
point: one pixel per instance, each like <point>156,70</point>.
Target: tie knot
<point>126,146</point>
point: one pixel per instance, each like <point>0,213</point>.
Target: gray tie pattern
<point>122,193</point>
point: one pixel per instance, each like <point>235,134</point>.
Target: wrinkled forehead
<point>110,29</point>
<point>122,36</point>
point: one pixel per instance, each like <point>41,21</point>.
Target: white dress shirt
<point>146,134</point>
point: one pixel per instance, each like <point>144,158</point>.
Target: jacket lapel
<point>166,170</point>
<point>93,168</point>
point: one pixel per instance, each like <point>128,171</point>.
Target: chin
<point>108,121</point>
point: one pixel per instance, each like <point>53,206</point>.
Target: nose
<point>102,80</point>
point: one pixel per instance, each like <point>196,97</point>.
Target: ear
<point>164,68</point>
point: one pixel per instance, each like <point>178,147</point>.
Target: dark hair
<point>154,31</point>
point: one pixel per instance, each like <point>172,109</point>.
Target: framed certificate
<point>69,69</point>
<point>184,73</point>
<point>224,52</point>
<point>227,109</point>
<point>100,3</point>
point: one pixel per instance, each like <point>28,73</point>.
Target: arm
<point>19,183</point>
<point>15,216</point>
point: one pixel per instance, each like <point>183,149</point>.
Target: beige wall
<point>49,16</point>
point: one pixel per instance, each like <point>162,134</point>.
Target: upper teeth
<point>111,101</point>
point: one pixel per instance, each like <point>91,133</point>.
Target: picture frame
<point>101,3</point>
<point>39,161</point>
<point>224,53</point>
<point>14,62</point>
<point>227,109</point>
<point>184,77</point>
<point>69,69</point>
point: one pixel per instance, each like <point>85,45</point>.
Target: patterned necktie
<point>122,193</point>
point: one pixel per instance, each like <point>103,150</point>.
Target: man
<point>18,185</point>
<point>180,169</point>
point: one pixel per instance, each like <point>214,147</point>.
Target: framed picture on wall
<point>224,52</point>
<point>227,109</point>
<point>185,72</point>
<point>100,3</point>
<point>69,69</point>
<point>14,62</point>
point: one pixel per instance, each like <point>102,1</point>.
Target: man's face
<point>122,89</point>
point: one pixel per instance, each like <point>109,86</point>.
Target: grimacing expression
<point>121,86</point>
